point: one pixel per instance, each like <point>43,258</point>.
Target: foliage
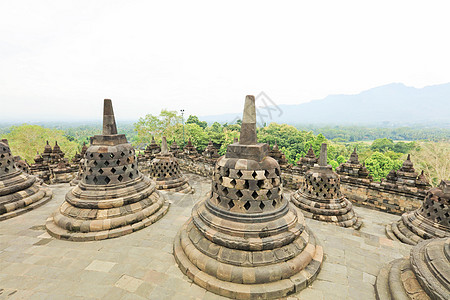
<point>363,133</point>
<point>194,120</point>
<point>434,159</point>
<point>162,125</point>
<point>25,140</point>
<point>379,165</point>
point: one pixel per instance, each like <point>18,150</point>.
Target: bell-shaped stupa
<point>431,220</point>
<point>165,171</point>
<point>320,197</point>
<point>244,240</point>
<point>113,198</point>
<point>19,191</point>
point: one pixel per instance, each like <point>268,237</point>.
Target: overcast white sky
<point>59,59</point>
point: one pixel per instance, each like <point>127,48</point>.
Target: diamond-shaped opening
<point>90,170</point>
<point>260,183</point>
<point>227,172</point>
<point>100,171</point>
<point>106,163</point>
<point>247,205</point>
<point>255,195</point>
<point>261,205</point>
<point>128,160</point>
<point>122,154</point>
<point>2,156</point>
<point>233,182</point>
<point>111,155</point>
<point>219,200</point>
<point>269,194</point>
<point>254,174</point>
<point>113,170</point>
<point>132,166</point>
<point>100,155</point>
<point>95,180</point>
<point>277,171</point>
<point>6,169</point>
<point>225,191</point>
<point>274,203</point>
<point>95,163</point>
<point>120,178</point>
<point>266,173</point>
<point>92,155</point>
<point>118,162</point>
<point>124,168</point>
<point>131,175</point>
<point>107,180</point>
<point>246,184</point>
<point>220,179</point>
<point>239,194</point>
<point>231,204</point>
<point>239,173</point>
<point>438,219</point>
<point>446,215</point>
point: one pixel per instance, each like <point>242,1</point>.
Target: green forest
<point>381,149</point>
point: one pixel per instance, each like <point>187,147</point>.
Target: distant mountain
<point>391,104</point>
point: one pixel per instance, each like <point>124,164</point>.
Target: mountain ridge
<point>393,103</point>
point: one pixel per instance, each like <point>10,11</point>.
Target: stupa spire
<point>109,122</point>
<point>323,155</point>
<point>248,127</point>
<point>164,147</point>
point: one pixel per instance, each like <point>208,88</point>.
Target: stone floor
<point>141,266</point>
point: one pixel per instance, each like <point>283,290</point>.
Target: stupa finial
<point>164,147</point>
<point>248,127</point>
<point>109,122</point>
<point>323,155</point>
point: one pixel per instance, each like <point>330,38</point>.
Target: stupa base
<point>412,229</point>
<point>344,217</point>
<point>187,256</point>
<point>34,201</point>
<point>154,214</point>
<point>422,276</point>
<point>180,185</point>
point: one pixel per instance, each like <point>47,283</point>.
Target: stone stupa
<point>19,191</point>
<point>431,220</point>
<point>244,240</point>
<point>308,161</point>
<point>113,198</point>
<point>425,275</point>
<point>320,197</point>
<point>165,171</point>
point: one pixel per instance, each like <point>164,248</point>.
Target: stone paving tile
<point>141,265</point>
<point>128,283</point>
<point>101,266</point>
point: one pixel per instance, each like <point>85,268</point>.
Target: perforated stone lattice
<point>165,169</point>
<point>321,187</point>
<point>6,161</point>
<point>250,191</point>
<point>111,167</point>
<point>436,208</point>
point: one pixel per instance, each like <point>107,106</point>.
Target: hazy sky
<point>59,59</point>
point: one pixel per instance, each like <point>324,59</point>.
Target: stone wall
<point>393,199</point>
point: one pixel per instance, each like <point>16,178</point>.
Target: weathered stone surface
<point>425,275</point>
<point>320,196</point>
<point>113,198</point>
<point>244,240</point>
<point>431,220</point>
<point>19,191</point>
